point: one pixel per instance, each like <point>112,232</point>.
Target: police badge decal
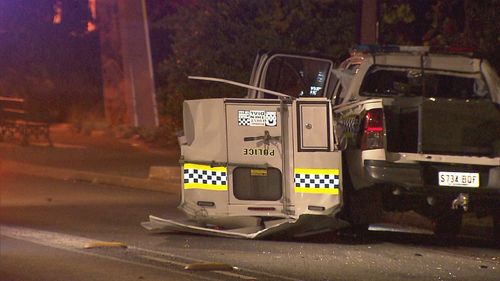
<point>271,119</point>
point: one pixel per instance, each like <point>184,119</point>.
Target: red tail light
<point>373,130</point>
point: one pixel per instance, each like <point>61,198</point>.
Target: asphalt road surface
<point>46,225</point>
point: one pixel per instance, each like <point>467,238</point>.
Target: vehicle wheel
<point>496,226</point>
<point>449,224</point>
<point>360,207</point>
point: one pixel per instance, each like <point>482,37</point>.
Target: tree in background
<point>221,39</point>
<point>456,23</point>
<point>466,23</point>
<point>403,22</point>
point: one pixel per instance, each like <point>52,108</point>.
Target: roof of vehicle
<point>446,62</point>
<point>413,50</point>
<point>413,57</point>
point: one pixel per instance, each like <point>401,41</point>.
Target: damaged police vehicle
<point>314,147</point>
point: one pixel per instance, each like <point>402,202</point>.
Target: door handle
<point>267,138</point>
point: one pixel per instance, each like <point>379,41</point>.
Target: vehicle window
<point>266,187</point>
<point>296,76</point>
<point>411,82</point>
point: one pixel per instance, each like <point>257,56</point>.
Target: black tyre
<point>449,224</point>
<point>360,207</point>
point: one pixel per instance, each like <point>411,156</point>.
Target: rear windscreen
<point>383,82</point>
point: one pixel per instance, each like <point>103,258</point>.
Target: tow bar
<point>462,201</point>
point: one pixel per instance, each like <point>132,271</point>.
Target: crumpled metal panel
<point>303,226</point>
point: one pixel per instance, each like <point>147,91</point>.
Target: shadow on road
<point>358,237</point>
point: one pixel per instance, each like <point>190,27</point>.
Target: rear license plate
<point>458,179</point>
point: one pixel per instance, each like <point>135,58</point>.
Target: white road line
<point>227,273</point>
<point>241,276</point>
<point>74,244</point>
<point>181,264</point>
<point>271,275</point>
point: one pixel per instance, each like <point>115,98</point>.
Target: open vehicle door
<point>292,74</point>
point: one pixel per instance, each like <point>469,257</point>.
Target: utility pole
<point>368,22</point>
<point>127,69</point>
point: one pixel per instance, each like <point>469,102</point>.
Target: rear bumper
<point>407,175</point>
<point>422,177</point>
